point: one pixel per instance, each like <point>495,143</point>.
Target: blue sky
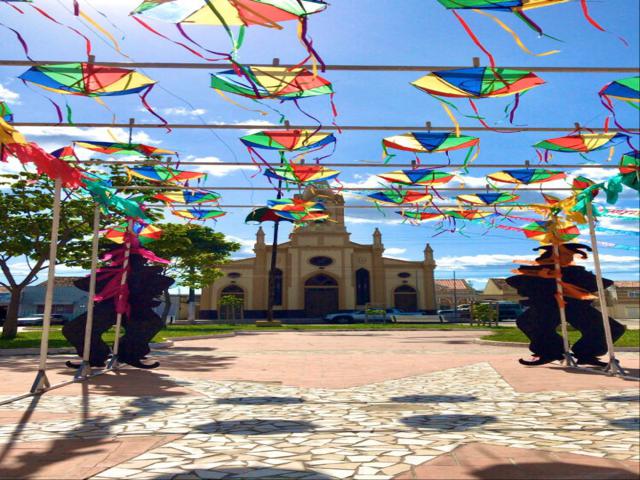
<point>410,32</point>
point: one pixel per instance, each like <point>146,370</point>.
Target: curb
<point>496,343</point>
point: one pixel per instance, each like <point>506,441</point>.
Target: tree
<point>195,251</point>
<point>25,222</point>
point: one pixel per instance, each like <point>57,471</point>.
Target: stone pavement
<point>366,405</point>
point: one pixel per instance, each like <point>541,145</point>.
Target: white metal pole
<point>563,314</point>
<point>123,281</point>
<point>85,368</point>
<point>41,381</point>
<point>613,367</point>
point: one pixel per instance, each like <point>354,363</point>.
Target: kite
<point>287,141</point>
<point>423,142</point>
<point>302,174</point>
<point>90,80</point>
<point>5,112</point>
<point>517,7</point>
<point>463,214</point>
<point>580,143</point>
<point>626,90</point>
<point>67,154</point>
<point>198,214</point>
<point>488,198</point>
<point>421,216</point>
<point>295,205</point>
<point>188,197</point>
<point>111,148</point>
<point>629,176</point>
<point>232,13</point>
<point>400,197</point>
<point>417,176</point>
<point>279,83</point>
<point>293,210</point>
<point>549,231</point>
<point>160,174</point>
<point>526,176</point>
<point>265,214</point>
<point>144,232</point>
<point>475,83</point>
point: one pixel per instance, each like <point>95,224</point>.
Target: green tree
<point>25,222</point>
<point>195,251</point>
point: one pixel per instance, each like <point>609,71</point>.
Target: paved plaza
<point>322,405</point>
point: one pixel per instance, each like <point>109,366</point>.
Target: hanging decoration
<point>400,197</point>
<point>302,174</point>
<point>159,174</point>
<point>418,176</point>
<point>625,90</point>
<point>117,148</point>
<point>550,231</point>
<point>580,143</point>
<point>5,112</point>
<point>487,199</point>
<point>426,142</point>
<point>476,83</point>
<point>188,197</point>
<point>301,141</point>
<point>90,80</point>
<point>526,176</point>
<point>199,214</point>
<point>144,232</point>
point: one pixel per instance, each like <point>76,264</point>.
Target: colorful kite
<point>116,148</point>
<point>103,194</point>
<point>188,197</point>
<point>488,198</point>
<point>400,197</point>
<point>232,13</point>
<point>302,174</point>
<point>518,7</point>
<point>463,214</point>
<point>417,176</point>
<point>160,174</point>
<point>548,231</point>
<point>144,232</point>
<point>286,141</point>
<point>295,205</point>
<point>580,143</point>
<point>423,142</point>
<point>475,83</point>
<point>526,176</point>
<point>5,112</point>
<point>90,80</point>
<point>293,210</point>
<point>198,214</point>
<point>626,90</point>
<point>421,216</point>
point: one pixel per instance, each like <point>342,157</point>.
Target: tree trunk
<point>10,328</point>
<point>167,307</point>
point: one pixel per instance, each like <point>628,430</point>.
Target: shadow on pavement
<point>434,398</point>
<point>448,422</point>
<point>259,400</point>
<point>265,473</point>
<point>623,398</point>
<point>551,471</point>
<point>258,426</point>
<point>630,423</point>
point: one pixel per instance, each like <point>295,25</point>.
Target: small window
<point>404,275</point>
<point>233,275</point>
<point>320,261</point>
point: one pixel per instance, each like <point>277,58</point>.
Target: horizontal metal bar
<point>249,126</point>
<point>368,164</point>
<point>355,189</point>
<point>427,205</point>
<point>344,67</point>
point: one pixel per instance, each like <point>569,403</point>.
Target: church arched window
<point>363,286</point>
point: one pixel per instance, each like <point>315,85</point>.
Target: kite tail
<point>445,105</point>
<point>186,47</point>
<point>515,36</point>
<point>608,104</point>
<point>20,38</point>
<point>590,19</point>
<point>102,30</point>
<point>14,7</point>
<point>334,112</point>
<point>308,43</point>
<point>143,97</point>
<point>308,115</point>
<point>252,152</point>
<point>472,154</point>
<point>475,39</point>
<point>516,104</point>
<point>88,47</point>
<point>181,30</point>
<point>233,102</point>
<point>484,124</point>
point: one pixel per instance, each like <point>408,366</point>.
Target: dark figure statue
<point>140,325</point>
<point>541,319</point>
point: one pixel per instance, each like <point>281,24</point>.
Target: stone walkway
<point>425,425</point>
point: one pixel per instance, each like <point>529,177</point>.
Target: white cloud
<point>371,221</point>
<point>364,181</point>
<point>60,136</point>
<point>395,252</point>
<point>9,96</point>
<point>216,170</point>
<point>183,112</point>
<point>246,244</point>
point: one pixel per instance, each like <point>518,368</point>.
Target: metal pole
<point>113,363</point>
<point>568,358</point>
<point>85,368</point>
<point>614,366</point>
<point>455,297</point>
<point>41,381</point>
<point>274,260</point>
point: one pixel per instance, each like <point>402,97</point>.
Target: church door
<point>405,298</point>
<point>320,296</point>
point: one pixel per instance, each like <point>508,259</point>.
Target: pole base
<point>569,361</point>
<point>614,368</point>
<point>83,371</point>
<point>41,383</point>
<point>113,363</point>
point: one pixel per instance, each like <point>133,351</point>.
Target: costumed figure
<point>542,317</point>
<point>135,299</point>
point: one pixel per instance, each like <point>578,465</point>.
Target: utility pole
<point>455,297</point>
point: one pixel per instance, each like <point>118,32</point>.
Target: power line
<point>337,67</point>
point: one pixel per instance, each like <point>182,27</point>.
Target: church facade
<point>320,271</point>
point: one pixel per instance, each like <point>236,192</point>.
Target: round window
<point>404,275</point>
<point>320,261</point>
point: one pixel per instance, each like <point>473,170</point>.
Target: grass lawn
<point>31,338</point>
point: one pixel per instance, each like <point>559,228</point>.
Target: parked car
<point>453,316</point>
<point>509,311</point>
<point>38,318</point>
<point>360,316</point>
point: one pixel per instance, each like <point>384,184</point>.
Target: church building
<point>320,271</point>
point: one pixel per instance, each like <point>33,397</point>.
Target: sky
<point>381,32</point>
